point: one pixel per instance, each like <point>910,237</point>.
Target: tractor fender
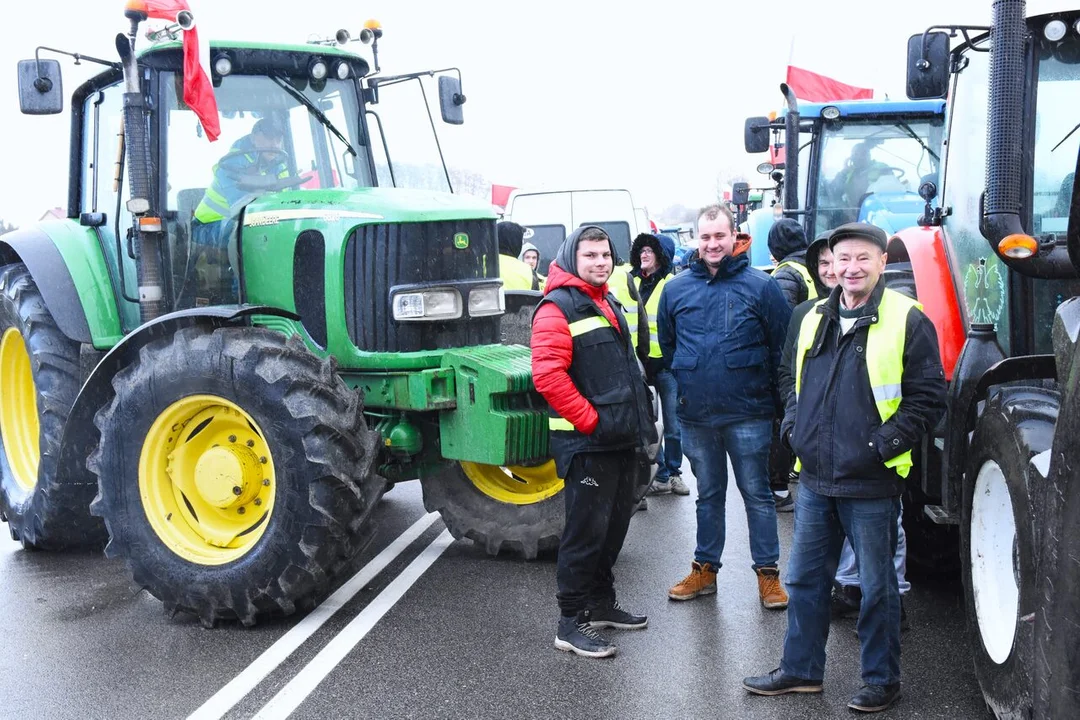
<point>924,248</point>
<point>35,249</point>
<point>80,434</point>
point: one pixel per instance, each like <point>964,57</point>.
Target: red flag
<point>198,90</point>
<point>812,87</point>
<point>500,194</point>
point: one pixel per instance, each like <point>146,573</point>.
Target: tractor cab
<point>858,161</point>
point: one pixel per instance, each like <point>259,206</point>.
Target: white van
<point>549,216</point>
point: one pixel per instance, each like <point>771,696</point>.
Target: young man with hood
<point>515,274</point>
<point>868,385</point>
<point>651,270</point>
<point>722,325</point>
<point>584,364</point>
<point>530,255</point>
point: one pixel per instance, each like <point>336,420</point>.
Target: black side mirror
<point>928,66</point>
<point>40,89</point>
<point>756,134</point>
<point>740,193</point>
<point>451,100</point>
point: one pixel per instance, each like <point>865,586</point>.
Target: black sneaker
<point>613,616</point>
<point>845,601</point>
<point>875,698</point>
<point>785,503</point>
<point>777,683</point>
<point>577,637</point>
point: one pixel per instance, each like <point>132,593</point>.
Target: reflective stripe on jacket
<point>884,360</point>
<point>224,190</point>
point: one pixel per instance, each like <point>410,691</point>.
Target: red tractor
<point>996,266</point>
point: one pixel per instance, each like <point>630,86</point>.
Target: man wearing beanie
<point>787,245</point>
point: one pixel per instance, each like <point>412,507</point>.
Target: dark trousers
<point>821,523</point>
<point>780,461</point>
<point>599,496</point>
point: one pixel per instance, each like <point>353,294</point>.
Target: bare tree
<point>6,227</point>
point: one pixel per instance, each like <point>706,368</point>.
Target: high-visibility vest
<point>652,310</point>
<point>516,275</point>
<point>621,286</point>
<point>885,341</point>
<point>811,288</point>
<point>217,203</point>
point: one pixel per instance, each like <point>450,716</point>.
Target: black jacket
<point>834,426</point>
<point>790,281</point>
<point>787,360</point>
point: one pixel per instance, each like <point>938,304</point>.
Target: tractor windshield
<point>871,171</point>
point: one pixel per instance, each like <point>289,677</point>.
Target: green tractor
<point>226,416</point>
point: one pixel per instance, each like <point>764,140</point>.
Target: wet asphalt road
<point>470,638</point>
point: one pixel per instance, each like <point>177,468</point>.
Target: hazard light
<point>1018,246</point>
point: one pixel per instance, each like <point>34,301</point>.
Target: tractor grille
<point>379,257</point>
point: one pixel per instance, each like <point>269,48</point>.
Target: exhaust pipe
<point>791,150</point>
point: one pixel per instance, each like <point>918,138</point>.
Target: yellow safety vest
<point>652,310</point>
<point>884,359</point>
<point>215,204</point>
<point>515,274</point>
<point>619,285</point>
<point>811,288</point>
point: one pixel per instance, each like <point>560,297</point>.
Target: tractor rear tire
<point>39,380</point>
<point>998,546</point>
<point>520,510</point>
<point>206,414</point>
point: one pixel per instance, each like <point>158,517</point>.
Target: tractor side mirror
<point>740,193</point>
<point>928,65</point>
<point>40,89</point>
<point>756,134</point>
<point>451,100</point>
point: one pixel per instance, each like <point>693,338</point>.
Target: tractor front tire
<point>235,473</point>
<point>39,380</point>
<point>998,544</point>
<point>516,509</point>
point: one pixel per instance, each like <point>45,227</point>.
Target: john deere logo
<point>461,240</point>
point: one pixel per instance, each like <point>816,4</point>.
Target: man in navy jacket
<point>722,325</point>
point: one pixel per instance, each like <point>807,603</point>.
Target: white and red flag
<point>198,90</point>
<point>813,86</point>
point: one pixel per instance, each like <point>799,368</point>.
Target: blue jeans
<point>669,458</point>
<point>848,571</point>
<point>747,442</point>
<point>821,523</point>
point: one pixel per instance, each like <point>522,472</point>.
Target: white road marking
<point>227,697</point>
<point>296,691</point>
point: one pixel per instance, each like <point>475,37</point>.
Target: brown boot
<point>700,581</point>
<point>770,590</point>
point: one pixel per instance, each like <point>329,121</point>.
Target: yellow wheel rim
<point>206,479</point>
<point>18,410</point>
<point>516,485</point>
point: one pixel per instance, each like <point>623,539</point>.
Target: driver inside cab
<point>861,171</point>
<point>245,169</point>
<point>255,163</point>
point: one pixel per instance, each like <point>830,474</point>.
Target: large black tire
<point>1016,424</point>
<point>1057,634</point>
<point>40,509</point>
<point>321,455</point>
<point>470,512</point>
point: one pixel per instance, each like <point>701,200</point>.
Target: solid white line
<point>289,697</point>
<point>227,697</point>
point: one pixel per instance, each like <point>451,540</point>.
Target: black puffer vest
<point>606,371</point>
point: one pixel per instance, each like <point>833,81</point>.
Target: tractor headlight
<point>433,304</point>
<point>487,300</point>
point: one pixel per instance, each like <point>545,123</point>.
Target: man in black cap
<point>868,385</point>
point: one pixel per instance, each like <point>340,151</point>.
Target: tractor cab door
<point>102,120</point>
<point>273,139</point>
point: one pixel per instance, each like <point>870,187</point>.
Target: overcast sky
<point>650,96</point>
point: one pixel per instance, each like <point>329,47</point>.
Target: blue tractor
<point>858,160</point>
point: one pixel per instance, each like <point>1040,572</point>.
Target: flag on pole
<point>198,90</point>
<point>813,86</point>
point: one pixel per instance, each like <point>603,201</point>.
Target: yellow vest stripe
<point>558,423</point>
<point>885,342</point>
<point>811,288</point>
<point>580,327</point>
